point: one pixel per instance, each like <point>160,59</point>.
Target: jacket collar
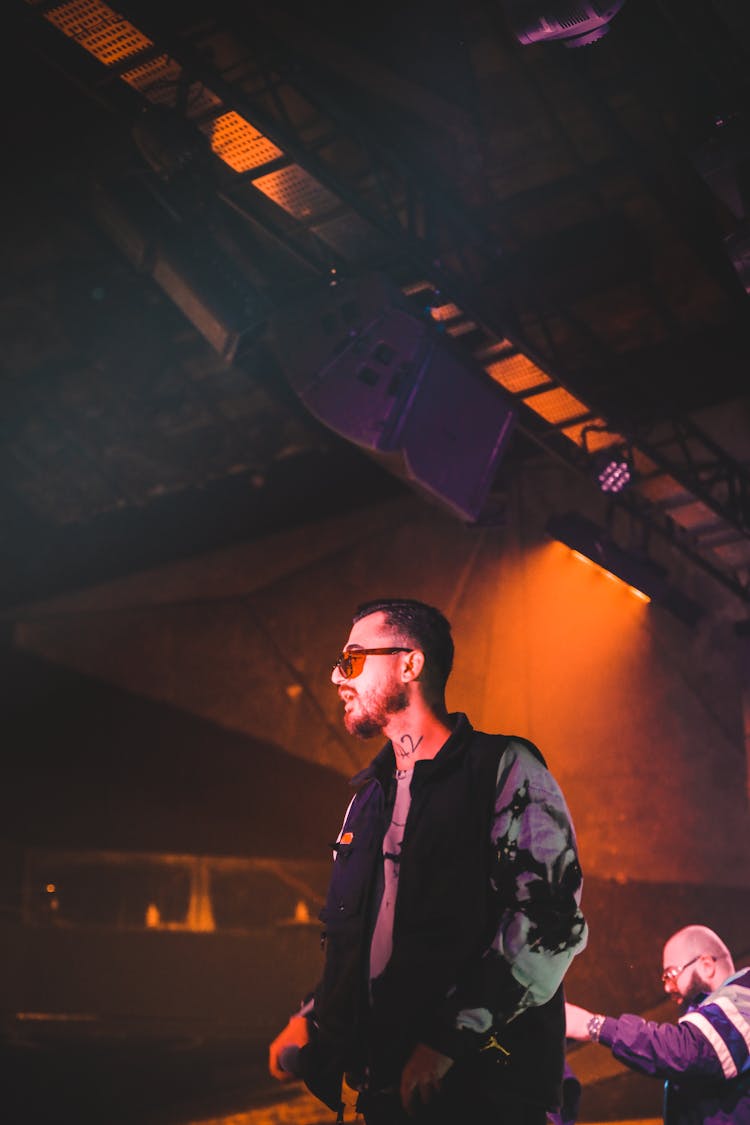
<point>384,763</point>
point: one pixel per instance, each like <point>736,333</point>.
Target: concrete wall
<point>639,716</point>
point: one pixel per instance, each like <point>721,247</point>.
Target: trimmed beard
<point>376,711</point>
<point>696,987</point>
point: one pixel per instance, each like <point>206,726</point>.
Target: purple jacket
<point>705,1057</point>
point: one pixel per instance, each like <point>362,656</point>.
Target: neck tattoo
<point>408,747</point>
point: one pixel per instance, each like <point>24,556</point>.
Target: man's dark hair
<point>422,626</point>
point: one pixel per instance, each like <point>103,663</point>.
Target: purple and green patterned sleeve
<point>536,879</point>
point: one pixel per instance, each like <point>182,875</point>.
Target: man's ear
<point>709,966</point>
<point>413,665</point>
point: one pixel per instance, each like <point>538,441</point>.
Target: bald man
<point>705,1058</point>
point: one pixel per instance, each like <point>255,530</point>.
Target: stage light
<point>610,455</point>
<point>644,576</point>
<point>613,468</point>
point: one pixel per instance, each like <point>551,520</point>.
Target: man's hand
<point>422,1075</point>
<point>295,1034</point>
<point>576,1022</point>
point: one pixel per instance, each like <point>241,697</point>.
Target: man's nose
<point>336,675</point>
<point>670,986</point>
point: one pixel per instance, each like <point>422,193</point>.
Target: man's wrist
<point>594,1027</point>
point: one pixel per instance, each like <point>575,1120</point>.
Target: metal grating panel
<point>693,515</point>
<point>557,405</point>
<point>595,439</point>
<point>350,235</point>
<point>643,464</point>
<point>297,192</point>
<point>99,30</point>
<point>159,81</point>
<point>661,488</point>
<point>735,555</point>
<point>238,143</point>
<point>201,100</point>
<point>456,330</point>
<point>156,79</point>
<point>442,313</point>
<point>414,287</point>
<point>517,373</point>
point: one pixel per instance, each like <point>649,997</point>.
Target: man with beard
<point>453,909</point>
<point>705,1058</point>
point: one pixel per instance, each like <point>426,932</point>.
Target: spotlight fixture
<point>613,468</point>
<point>577,23</point>
<point>642,574</point>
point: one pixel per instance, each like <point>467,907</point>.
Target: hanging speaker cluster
<point>376,372</point>
<point>577,23</point>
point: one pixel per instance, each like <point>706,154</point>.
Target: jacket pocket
<point>346,890</point>
<point>356,856</point>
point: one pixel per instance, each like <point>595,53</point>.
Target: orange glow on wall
<point>590,597</point>
<point>302,913</point>
<point>608,574</point>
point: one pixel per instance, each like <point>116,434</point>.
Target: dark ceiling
<point>573,210</point>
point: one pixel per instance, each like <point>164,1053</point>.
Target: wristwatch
<point>594,1027</point>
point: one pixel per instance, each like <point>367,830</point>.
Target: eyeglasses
<point>670,974</point>
<point>351,663</point>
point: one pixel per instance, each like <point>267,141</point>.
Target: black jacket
<point>456,891</point>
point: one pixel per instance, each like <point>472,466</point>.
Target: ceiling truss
<point>315,189</point>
